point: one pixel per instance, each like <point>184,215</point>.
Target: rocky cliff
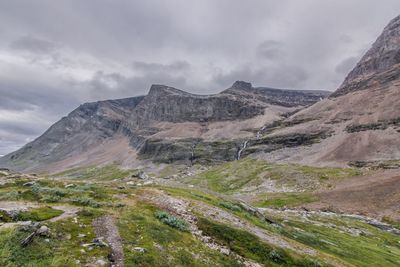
<point>164,125</point>
<point>379,65</point>
<point>362,116</point>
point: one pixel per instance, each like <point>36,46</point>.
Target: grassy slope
<point>233,176</point>
<point>167,246</point>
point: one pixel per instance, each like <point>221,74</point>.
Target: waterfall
<point>192,154</point>
<point>241,149</point>
<point>259,133</point>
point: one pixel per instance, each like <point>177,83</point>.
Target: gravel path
<point>105,228</point>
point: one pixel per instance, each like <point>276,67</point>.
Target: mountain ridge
<point>138,119</point>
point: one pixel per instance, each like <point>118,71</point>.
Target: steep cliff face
<point>379,65</point>
<point>164,103</point>
<point>280,97</point>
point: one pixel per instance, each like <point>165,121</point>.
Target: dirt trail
<point>68,211</point>
<point>105,228</point>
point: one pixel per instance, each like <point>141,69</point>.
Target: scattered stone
<point>130,183</point>
<point>148,183</point>
<point>139,249</point>
<point>43,230</point>
<point>70,185</point>
<point>142,175</point>
<point>31,183</point>
<point>99,242</point>
<point>81,235</point>
<point>101,262</point>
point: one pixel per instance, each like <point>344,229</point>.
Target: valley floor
<point>242,213</point>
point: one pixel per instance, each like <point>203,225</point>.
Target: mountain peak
<point>242,85</point>
<point>379,65</point>
<point>160,89</point>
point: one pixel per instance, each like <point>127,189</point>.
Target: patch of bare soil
<point>105,228</point>
<point>68,212</point>
<point>377,194</point>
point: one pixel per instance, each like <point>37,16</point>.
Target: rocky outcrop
<point>165,103</point>
<point>379,65</point>
<point>280,97</point>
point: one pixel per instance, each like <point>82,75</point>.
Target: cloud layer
<point>55,55</point>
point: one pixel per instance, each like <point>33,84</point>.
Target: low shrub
<point>171,220</point>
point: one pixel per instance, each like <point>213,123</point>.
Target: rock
<point>101,262</point>
<point>143,176</point>
<point>378,65</point>
<point>139,249</point>
<point>130,183</point>
<point>43,230</point>
<point>81,235</point>
<point>99,242</point>
<point>70,185</point>
<point>148,183</point>
<point>31,183</point>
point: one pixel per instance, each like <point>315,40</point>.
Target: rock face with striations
<point>161,124</point>
<point>379,65</point>
<point>362,117</point>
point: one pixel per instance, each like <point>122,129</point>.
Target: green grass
<point>50,191</point>
<point>231,177</point>
<point>374,248</point>
<point>164,245</point>
<point>389,220</point>
<point>39,214</point>
<point>250,246</point>
<point>103,173</point>
<point>280,200</point>
<point>61,248</point>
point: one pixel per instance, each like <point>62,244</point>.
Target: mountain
<point>166,125</point>
<point>359,124</point>
<point>362,115</point>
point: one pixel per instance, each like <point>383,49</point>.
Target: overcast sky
<point>55,55</point>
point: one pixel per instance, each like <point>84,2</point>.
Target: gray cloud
<point>34,45</point>
<point>55,55</point>
<point>346,65</point>
<point>270,50</point>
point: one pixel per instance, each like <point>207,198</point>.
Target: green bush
<point>171,220</point>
